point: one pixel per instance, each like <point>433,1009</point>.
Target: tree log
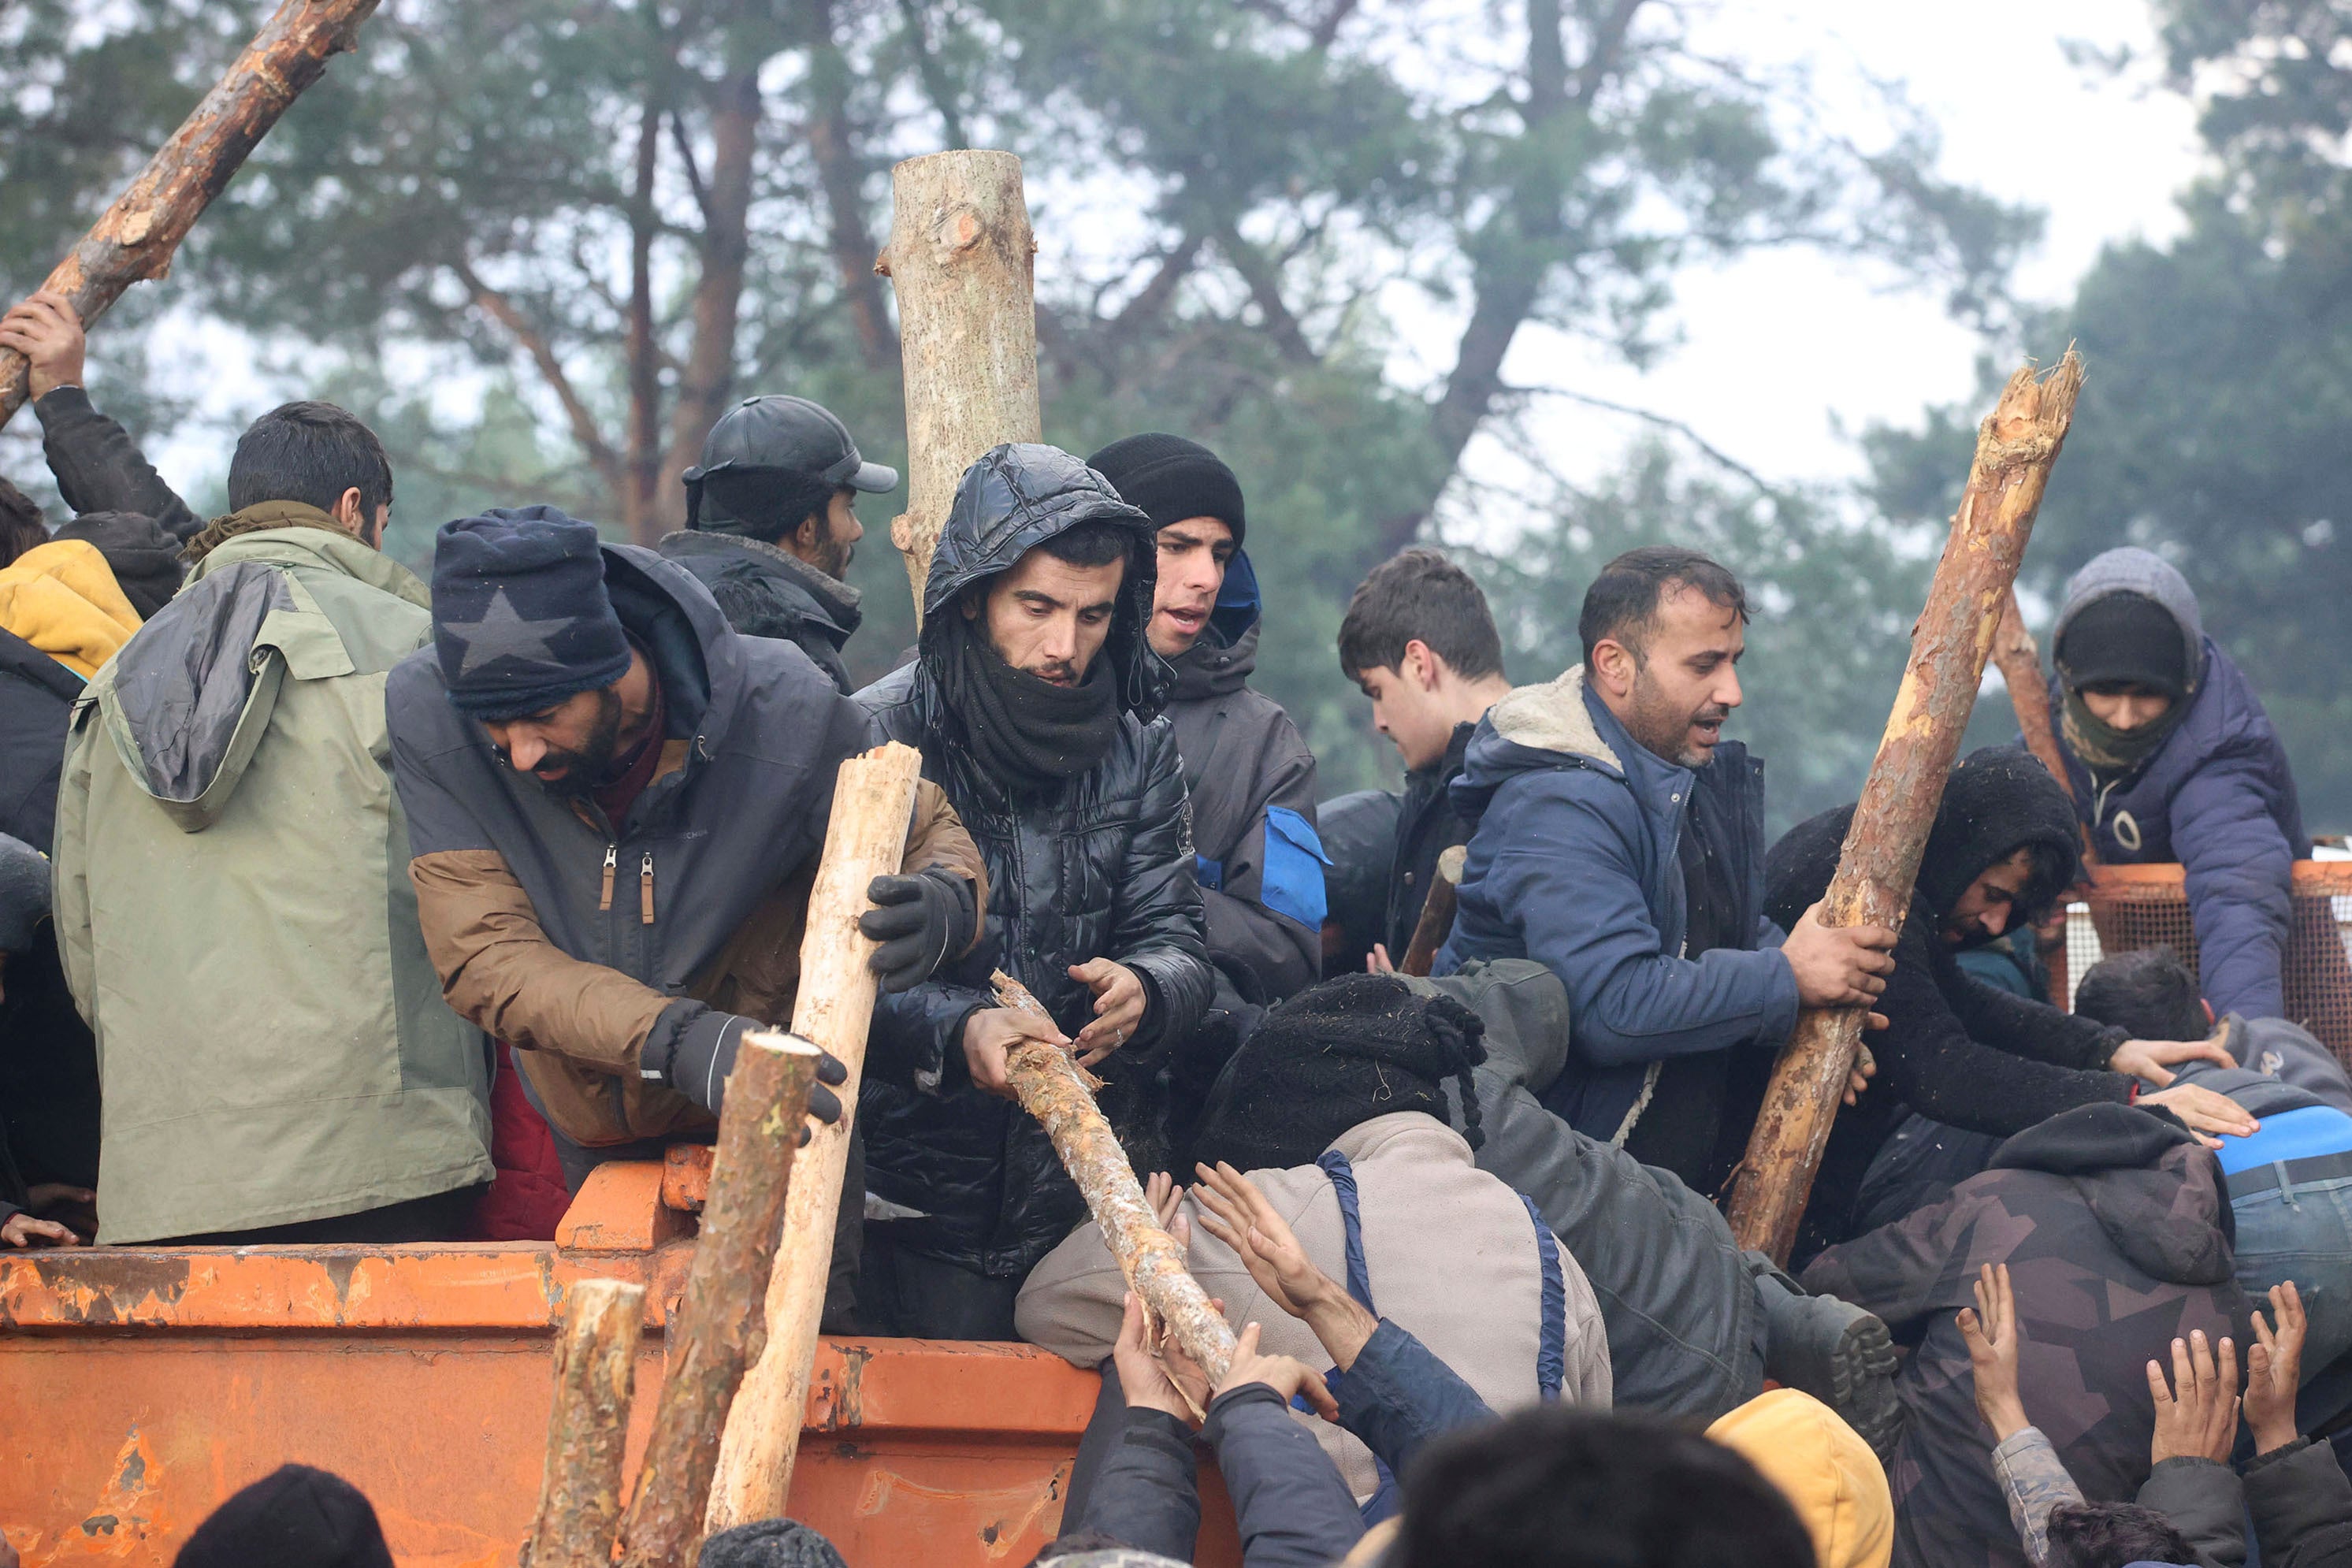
<point>1437,908</point>
<point>595,1367</point>
<point>872,807</point>
<point>2019,657</point>
<point>963,262</point>
<point>2016,448</point>
<point>721,1326</point>
<point>136,236</point>
<point>1055,1089</point>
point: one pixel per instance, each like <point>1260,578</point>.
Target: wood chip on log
<point>588,1425</point>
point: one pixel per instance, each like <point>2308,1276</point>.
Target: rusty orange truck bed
<point>139,1387</point>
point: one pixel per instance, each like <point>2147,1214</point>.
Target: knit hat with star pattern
<point>521,619</point>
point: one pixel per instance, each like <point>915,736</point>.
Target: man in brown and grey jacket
<point>616,806</point>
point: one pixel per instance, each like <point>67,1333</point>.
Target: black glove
<point>922,921</point>
<point>704,1053</point>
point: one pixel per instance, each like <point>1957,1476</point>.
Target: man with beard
<point>771,524</point>
<point>616,806</point>
<point>1035,698</point>
<point>1619,840</point>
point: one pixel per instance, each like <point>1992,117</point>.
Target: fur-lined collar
<point>1550,716</point>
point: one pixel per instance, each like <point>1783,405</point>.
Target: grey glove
<point>703,1053</point>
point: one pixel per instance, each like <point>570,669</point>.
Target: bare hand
<point>2274,1370</point>
<point>2154,1060</point>
<point>1118,1007</point>
<point>2197,1418</point>
<point>1286,1375</point>
<point>45,330</point>
<point>1865,1067</point>
<point>1141,1378</point>
<point>1377,961</point>
<point>1234,1212</point>
<point>1990,1329</point>
<point>989,1035</point>
<point>21,1229</point>
<point>1838,966</point>
<point>2204,1111</point>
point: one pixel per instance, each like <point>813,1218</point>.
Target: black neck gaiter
<point>1024,731</point>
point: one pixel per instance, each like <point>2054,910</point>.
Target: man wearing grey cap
<point>770,524</point>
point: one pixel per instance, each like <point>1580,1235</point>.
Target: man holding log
<point>616,806</point>
<point>1034,701</point>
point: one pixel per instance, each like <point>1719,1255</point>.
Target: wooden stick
<point>1059,1093</point>
<point>1436,923</point>
<point>873,808</point>
<point>587,1429</point>
<point>136,236</point>
<point>721,1326</point>
<point>2015,450</point>
<point>2019,657</point>
<point>962,259</point>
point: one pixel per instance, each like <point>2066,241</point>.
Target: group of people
<point>343,906</point>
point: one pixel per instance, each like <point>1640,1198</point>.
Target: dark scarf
<point>1024,731</point>
<point>2107,751</point>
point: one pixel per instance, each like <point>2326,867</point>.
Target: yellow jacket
<point>61,597</point>
<point>1824,1469</point>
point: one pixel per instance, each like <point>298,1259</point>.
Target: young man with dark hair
<point>1035,698</point>
<point>1619,840</point>
<point>770,524</point>
<point>1419,640</point>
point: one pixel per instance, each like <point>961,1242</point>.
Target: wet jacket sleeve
<point>1398,1395</point>
<point>1156,923</point>
<point>2239,867</point>
<point>1281,953</point>
<point>1148,1494</point>
<point>1294,1509</point>
<point>98,467</point>
<point>1552,858</point>
<point>2025,1027</point>
<point>2206,1503</point>
<point>2302,1505</point>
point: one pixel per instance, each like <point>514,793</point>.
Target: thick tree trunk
<point>721,1326</point>
<point>872,807</point>
<point>595,1367</point>
<point>2016,448</point>
<point>962,259</point>
<point>138,234</point>
<point>1059,1093</point>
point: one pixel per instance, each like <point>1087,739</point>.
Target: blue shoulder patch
<point>1292,883</point>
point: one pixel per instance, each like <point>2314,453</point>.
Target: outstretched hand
<point>1990,1329</point>
<point>2197,1417</point>
<point>1234,1212</point>
<point>2274,1370</point>
<point>1286,1375</point>
<point>2153,1060</point>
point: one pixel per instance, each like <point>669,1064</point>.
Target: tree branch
<point>1663,422</point>
<point>934,77</point>
<point>831,141</point>
<point>693,170</point>
<point>507,314</point>
<point>1265,291</point>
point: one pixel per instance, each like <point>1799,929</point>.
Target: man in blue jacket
<point>1619,840</point>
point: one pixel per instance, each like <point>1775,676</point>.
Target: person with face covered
<point>1952,1048</point>
<point>1035,697</point>
<point>1618,840</point>
<point>2170,757</point>
<point>616,806</point>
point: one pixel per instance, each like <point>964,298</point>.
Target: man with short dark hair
<point>1035,698</point>
<point>1419,642</point>
<point>275,1062</point>
<point>1619,840</point>
<point>770,524</point>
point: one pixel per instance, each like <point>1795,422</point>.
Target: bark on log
<point>1059,1092</point>
<point>2019,657</point>
<point>721,1325</point>
<point>1436,923</point>
<point>962,260</point>
<point>872,807</point>
<point>2016,448</point>
<point>595,1367</point>
<point>136,236</point>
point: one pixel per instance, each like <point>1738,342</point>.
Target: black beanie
<point>2124,638</point>
<point>769,1544</point>
<point>521,619</point>
<point>295,1518</point>
<point>1171,479</point>
<point>1332,1057</point>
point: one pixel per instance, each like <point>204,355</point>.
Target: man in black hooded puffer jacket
<point>1035,698</point>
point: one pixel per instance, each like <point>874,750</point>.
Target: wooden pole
<point>136,236</point>
<point>2016,448</point>
<point>2019,657</point>
<point>595,1367</point>
<point>962,260</point>
<point>872,807</point>
<point>1059,1093</point>
<point>721,1326</point>
<point>1436,923</point>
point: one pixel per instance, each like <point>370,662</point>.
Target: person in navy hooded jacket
<point>1618,840</point>
<point>2170,757</point>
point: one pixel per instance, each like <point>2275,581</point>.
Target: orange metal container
<point>141,1387</point>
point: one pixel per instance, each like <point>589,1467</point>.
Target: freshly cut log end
<point>587,1426</point>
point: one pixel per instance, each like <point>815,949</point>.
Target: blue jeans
<point>2303,1233</point>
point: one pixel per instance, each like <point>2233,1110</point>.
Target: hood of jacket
<point>1825,1470</point>
<point>145,560</point>
<point>2153,1188</point>
<point>193,693</point>
<point>1224,655</point>
<point>2131,570</point>
<point>828,599</point>
<point>1015,497</point>
<point>62,598</point>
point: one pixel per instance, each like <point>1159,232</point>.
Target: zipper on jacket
<point>645,888</point>
<point>612,859</point>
